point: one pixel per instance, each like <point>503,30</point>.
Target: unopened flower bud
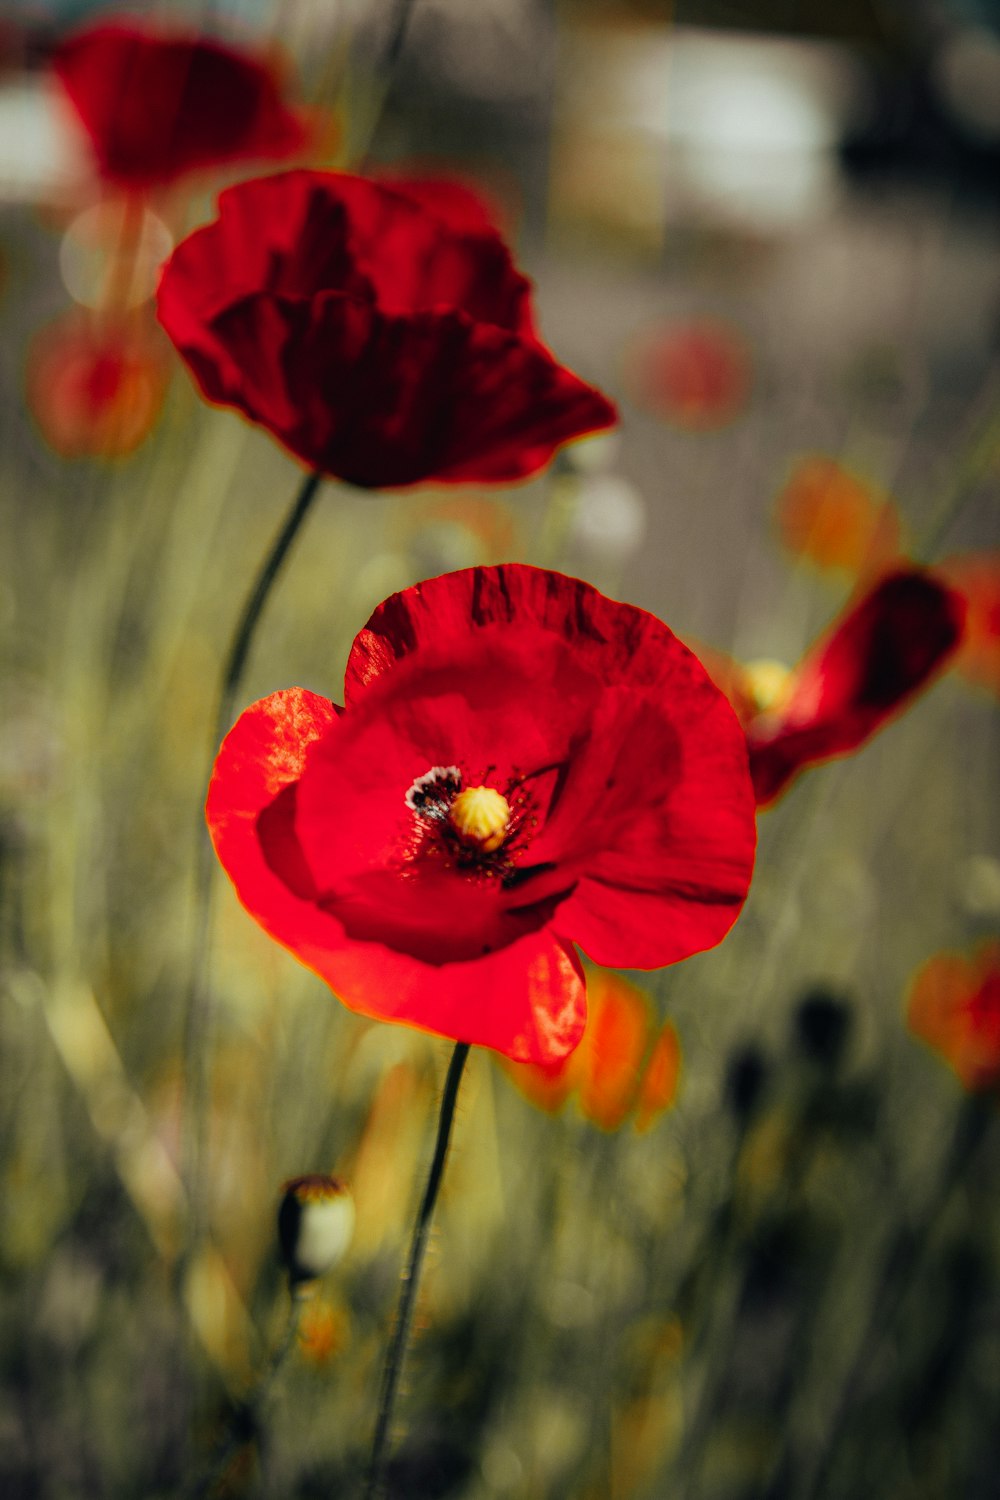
<point>315,1224</point>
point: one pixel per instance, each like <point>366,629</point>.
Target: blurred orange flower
<point>976,575</point>
<point>954,1006</point>
<point>836,519</point>
<point>625,1061</point>
<point>696,375</point>
<point>324,1330</point>
<point>95,389</point>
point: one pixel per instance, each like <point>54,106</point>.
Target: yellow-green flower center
<point>479,816</point>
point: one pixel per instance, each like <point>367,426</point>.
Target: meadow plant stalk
<point>197,1020</point>
<point>393,1368</point>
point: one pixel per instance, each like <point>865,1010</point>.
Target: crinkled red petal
<point>301,234</point>
<point>876,657</point>
<point>157,104</point>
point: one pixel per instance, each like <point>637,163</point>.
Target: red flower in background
<point>954,1006</point>
<point>522,765</point>
<point>696,375</point>
<point>882,650</point>
<point>625,1060</point>
<point>375,342</point>
<point>157,104</point>
<point>96,389</point>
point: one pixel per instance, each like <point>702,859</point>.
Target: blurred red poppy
<point>976,576</point>
<point>158,103</point>
<point>373,341</point>
<point>881,651</point>
<point>96,388</point>
<point>625,1061</point>
<point>695,375</point>
<point>954,1006</point>
<point>522,764</point>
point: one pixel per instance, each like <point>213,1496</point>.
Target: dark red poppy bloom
<point>522,765</point>
<point>157,104</point>
<point>374,341</point>
<point>883,650</point>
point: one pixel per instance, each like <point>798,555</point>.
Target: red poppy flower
<point>522,765</point>
<point>696,375</point>
<point>625,1061</point>
<point>96,389</point>
<point>954,1006</point>
<point>158,104</point>
<point>881,651</point>
<point>373,341</point>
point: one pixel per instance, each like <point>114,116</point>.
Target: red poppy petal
<point>674,840</point>
<point>976,576</point>
<point>157,104</point>
<point>299,234</point>
<point>617,641</point>
<point>384,401</point>
<point>526,1001</point>
<point>881,652</point>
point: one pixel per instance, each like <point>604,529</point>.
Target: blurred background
<point>750,1250</point>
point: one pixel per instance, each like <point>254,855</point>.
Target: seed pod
<point>315,1224</point>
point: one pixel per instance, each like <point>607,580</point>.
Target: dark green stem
<point>256,599</point>
<point>411,1276</point>
<point>196,1026</point>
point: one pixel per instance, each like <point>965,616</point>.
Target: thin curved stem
<point>197,1018</point>
<point>411,1276</point>
<point>270,568</point>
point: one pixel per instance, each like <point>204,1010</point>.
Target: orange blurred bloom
<point>977,577</point>
<point>696,375</point>
<point>323,1330</point>
<point>625,1062</point>
<point>954,1006</point>
<point>95,390</point>
<point>836,519</point>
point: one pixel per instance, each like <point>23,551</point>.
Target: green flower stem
<point>198,1017</point>
<point>393,1367</point>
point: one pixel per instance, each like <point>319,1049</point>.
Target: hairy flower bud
<point>315,1224</point>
